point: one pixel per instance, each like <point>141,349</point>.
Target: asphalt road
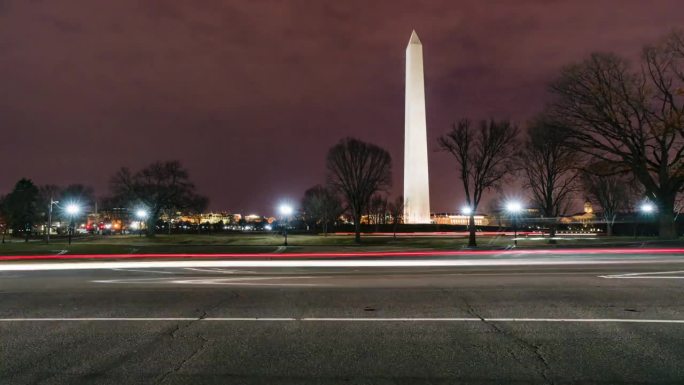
<point>578,323</point>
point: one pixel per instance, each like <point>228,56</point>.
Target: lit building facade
<point>458,219</point>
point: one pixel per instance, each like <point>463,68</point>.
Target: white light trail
<point>648,275</point>
<point>325,263</point>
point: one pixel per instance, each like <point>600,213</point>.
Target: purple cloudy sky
<point>250,95</point>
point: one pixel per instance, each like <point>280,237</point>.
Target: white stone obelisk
<point>416,181</point>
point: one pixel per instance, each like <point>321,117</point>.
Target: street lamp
<point>52,203</point>
<point>514,209</point>
<point>285,211</point>
<point>466,210</point>
<point>72,209</point>
<point>141,214</point>
<point>646,208</point>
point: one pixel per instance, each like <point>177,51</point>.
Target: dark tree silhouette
<point>159,186</point>
<point>396,210</point>
<point>357,170</point>
<point>612,191</point>
<point>196,206</point>
<point>632,119</point>
<point>550,169</point>
<point>321,206</point>
<point>21,207</point>
<point>483,154</point>
<point>4,220</point>
<point>377,210</point>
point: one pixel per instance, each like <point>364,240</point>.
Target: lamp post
<point>646,208</point>
<point>72,210</point>
<point>141,214</point>
<point>49,227</point>
<point>467,211</point>
<point>514,209</point>
<point>285,211</point>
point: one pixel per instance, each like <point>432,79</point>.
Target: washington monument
<point>416,181</point>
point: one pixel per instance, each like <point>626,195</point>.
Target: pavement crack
<point>530,347</point>
<point>175,330</point>
<point>188,358</point>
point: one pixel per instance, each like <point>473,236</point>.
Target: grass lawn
<point>271,243</point>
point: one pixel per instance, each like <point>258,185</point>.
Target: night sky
<point>250,95</point>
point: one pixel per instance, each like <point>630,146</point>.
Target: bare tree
<point>20,208</point>
<point>483,154</point>
<point>4,220</point>
<point>197,205</point>
<point>679,205</point>
<point>358,170</point>
<point>495,209</point>
<point>610,190</point>
<point>549,168</point>
<point>321,206</point>
<point>396,210</point>
<point>159,186</point>
<point>377,210</point>
<point>632,119</point>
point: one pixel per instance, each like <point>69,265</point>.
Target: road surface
<point>568,321</point>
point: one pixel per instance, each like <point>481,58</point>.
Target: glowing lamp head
<point>647,207</point>
<point>286,210</point>
<point>72,209</point>
<point>514,207</point>
<point>466,210</point>
<point>140,213</point>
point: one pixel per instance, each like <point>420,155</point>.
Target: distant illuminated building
<point>584,218</point>
<point>210,218</point>
<point>458,219</point>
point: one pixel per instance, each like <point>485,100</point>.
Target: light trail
<point>335,263</point>
<point>365,254</point>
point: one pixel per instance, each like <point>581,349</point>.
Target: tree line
<point>612,131</point>
<point>159,188</point>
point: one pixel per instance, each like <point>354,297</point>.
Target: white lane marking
<point>98,319</point>
<point>323,263</point>
<point>315,319</point>
<point>145,271</point>
<point>588,320</point>
<point>276,319</point>
<point>647,275</point>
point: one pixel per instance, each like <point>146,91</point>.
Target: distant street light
<point>466,210</point>
<point>72,209</point>
<point>285,211</point>
<point>141,214</point>
<point>514,209</point>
